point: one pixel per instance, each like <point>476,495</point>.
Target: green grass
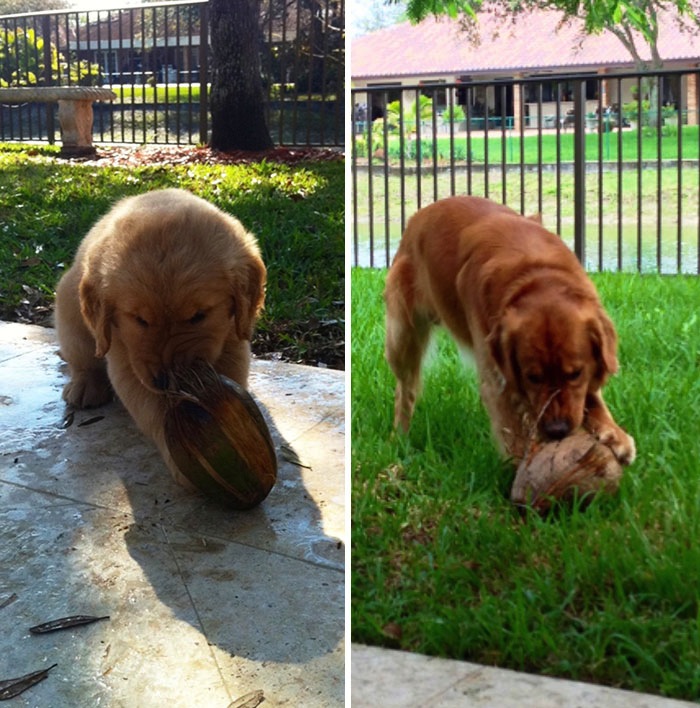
<point>510,148</point>
<point>613,203</point>
<point>172,93</point>
<point>190,93</point>
<point>442,562</point>
<point>297,212</point>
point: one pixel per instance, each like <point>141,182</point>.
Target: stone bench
<point>74,111</point>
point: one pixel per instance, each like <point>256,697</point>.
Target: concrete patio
<point>396,679</point>
<point>207,606</point>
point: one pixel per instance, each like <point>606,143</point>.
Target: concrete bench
<point>74,111</point>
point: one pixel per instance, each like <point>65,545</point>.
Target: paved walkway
<point>206,606</point>
<point>395,679</point>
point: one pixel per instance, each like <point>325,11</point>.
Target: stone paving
<point>206,606</point>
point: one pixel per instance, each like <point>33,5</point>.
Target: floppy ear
<point>502,344</point>
<point>604,345</point>
<point>248,292</point>
<point>97,313</point>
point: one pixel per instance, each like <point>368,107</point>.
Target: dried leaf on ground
<point>250,700</point>
<point>10,688</point>
<point>8,600</point>
<point>65,623</point>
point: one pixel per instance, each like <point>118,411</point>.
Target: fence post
<point>203,75</point>
<point>580,170</point>
<point>48,77</point>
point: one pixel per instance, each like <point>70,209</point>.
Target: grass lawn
<point>443,564</point>
<point>296,211</point>
<point>635,221</point>
<point>549,148</point>
<point>160,93</point>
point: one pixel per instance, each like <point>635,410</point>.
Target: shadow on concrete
<point>205,604</point>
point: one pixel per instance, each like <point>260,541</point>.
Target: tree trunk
<point>237,101</point>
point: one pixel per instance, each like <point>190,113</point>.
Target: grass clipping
<point>218,439</point>
<point>577,467</point>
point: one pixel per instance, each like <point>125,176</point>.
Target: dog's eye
<point>574,375</point>
<point>535,379</point>
<point>140,321</point>
<point>197,317</point>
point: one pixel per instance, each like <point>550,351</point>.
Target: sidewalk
<point>206,605</point>
<point>395,679</point>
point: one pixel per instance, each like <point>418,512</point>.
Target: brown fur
<point>514,294</point>
<point>163,279</point>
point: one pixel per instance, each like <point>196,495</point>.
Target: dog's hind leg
<point>406,343</point>
<point>407,336</point>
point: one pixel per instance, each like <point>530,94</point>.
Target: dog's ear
<point>97,313</point>
<point>537,218</point>
<point>248,292</point>
<point>501,341</point>
<point>604,345</point>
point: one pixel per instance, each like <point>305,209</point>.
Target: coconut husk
<point>218,438</point>
<point>577,466</point>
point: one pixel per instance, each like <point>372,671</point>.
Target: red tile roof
<point>534,41</point>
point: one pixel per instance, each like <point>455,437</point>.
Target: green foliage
<point>21,57</point>
<point>597,14</point>
<point>17,7</point>
<point>279,91</point>
<point>22,62</point>
<point>624,18</point>
<point>454,113</point>
<point>408,119</point>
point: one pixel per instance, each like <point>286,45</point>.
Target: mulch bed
<point>129,156</point>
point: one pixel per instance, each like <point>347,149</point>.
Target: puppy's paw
<point>88,389</point>
<point>619,442</point>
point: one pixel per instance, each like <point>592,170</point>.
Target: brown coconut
<point>218,439</point>
<point>576,466</point>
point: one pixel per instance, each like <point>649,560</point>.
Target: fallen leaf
<point>90,421</point>
<point>8,600</point>
<point>250,700</point>
<point>65,623</point>
<point>13,687</point>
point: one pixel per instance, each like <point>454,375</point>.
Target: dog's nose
<point>161,381</point>
<point>557,429</point>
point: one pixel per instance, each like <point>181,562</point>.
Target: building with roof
<point>437,51</point>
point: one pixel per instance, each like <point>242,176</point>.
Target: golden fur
<point>514,294</point>
<point>162,279</point>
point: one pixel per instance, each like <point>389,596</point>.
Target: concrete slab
<point>396,679</point>
<point>206,605</point>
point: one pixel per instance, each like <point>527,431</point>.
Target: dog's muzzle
<point>556,429</point>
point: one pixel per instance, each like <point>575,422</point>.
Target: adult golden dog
<point>514,294</point>
<point>163,279</point>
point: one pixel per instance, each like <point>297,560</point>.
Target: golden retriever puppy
<point>161,280</point>
<point>517,297</point>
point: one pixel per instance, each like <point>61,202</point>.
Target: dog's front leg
<point>599,421</point>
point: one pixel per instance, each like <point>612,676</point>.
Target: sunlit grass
<point>648,220</point>
<point>297,212</point>
<point>442,562</point>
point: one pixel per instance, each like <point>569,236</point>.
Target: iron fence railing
<point>156,58</point>
<point>611,161</point>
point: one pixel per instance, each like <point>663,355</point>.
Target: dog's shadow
<point>265,584</point>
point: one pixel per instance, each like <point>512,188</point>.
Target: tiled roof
<point>534,41</point>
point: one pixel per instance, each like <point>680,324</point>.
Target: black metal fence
<point>611,161</point>
<point>156,58</point>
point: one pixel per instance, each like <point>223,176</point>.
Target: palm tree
<point>421,110</point>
